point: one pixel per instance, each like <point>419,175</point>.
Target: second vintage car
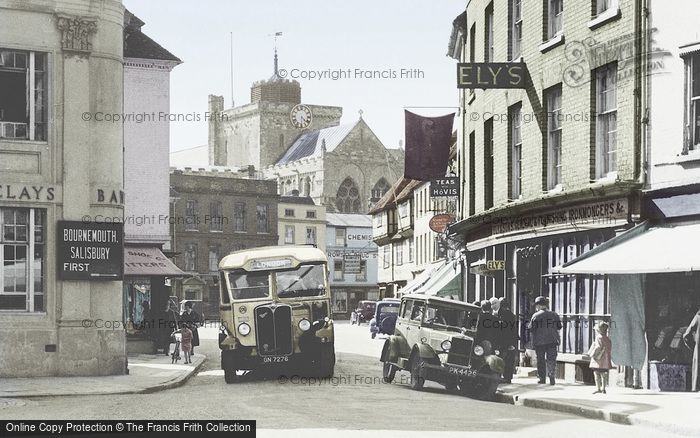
<point>445,341</point>
<point>384,318</point>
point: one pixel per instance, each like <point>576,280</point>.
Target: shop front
<point>655,272</point>
<point>345,299</point>
<point>146,287</point>
<point>515,258</point>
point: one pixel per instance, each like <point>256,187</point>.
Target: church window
<point>347,199</point>
<point>380,189</point>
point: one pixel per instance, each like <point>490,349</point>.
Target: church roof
<point>310,144</point>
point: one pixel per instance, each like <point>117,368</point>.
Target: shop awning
<point>641,250</point>
<point>420,279</point>
<point>447,281</point>
<point>149,261</point>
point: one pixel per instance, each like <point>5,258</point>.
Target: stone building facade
<point>554,169</point>
<point>301,222</point>
<point>216,211</point>
<point>58,162</point>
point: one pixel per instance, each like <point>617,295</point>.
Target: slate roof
<point>301,200</point>
<point>139,45</point>
<point>349,220</point>
<point>310,144</point>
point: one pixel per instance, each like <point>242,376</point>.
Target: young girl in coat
<point>600,353</point>
<point>186,342</point>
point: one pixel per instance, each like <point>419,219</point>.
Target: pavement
<point>670,412</point>
<point>147,373</point>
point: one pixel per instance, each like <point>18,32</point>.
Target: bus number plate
<point>275,359</point>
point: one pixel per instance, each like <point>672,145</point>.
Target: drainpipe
<point>642,98</point>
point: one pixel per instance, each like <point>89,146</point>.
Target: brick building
<point>554,169</point>
<point>216,211</point>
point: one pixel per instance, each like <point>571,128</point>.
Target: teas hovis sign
<point>92,251</point>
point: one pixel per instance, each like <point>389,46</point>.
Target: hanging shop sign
<point>351,263</point>
<point>491,75</point>
<point>444,187</point>
<point>93,251</point>
<point>439,222</point>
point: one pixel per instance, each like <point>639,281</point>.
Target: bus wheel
<point>230,376</point>
<point>326,361</point>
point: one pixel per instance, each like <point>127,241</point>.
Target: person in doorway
<point>691,338</point>
<point>509,338</point>
<point>186,342</point>
<point>601,357</point>
<point>544,329</point>
<point>193,319</point>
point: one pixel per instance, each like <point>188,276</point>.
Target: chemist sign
<point>90,251</point>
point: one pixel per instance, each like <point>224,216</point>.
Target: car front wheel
<point>230,376</point>
<point>389,372</point>
<point>417,381</point>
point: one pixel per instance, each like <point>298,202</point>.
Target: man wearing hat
<point>544,328</point>
<point>509,338</point>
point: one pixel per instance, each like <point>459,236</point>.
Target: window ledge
<point>556,189</point>
<point>605,17</point>
<point>552,43</point>
<point>610,177</point>
<point>691,156</point>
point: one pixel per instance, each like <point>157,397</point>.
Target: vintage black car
<point>364,312</point>
<point>445,341</point>
<point>384,317</point>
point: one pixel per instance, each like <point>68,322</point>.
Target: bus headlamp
<point>243,329</point>
<point>304,325</point>
<point>479,350</point>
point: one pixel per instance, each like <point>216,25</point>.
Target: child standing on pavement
<point>601,353</point>
<point>186,339</point>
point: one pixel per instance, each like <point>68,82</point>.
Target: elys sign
<point>491,75</point>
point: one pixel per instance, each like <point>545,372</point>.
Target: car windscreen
<point>451,318</point>
<point>389,308</point>
<point>249,285</point>
<point>304,281</point>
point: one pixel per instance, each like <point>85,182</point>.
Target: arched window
<point>347,200</point>
<point>380,189</point>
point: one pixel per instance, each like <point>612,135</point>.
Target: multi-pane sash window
<point>288,212</point>
<point>555,18</point>
<point>340,236</point>
<point>398,256</point>
<point>216,216</point>
<point>603,5</point>
<point>311,235</point>
<point>606,120</point>
<point>554,137</point>
<point>23,106</point>
<point>516,28</point>
<point>289,234</point>
<point>362,275</point>
<point>22,257</point>
<point>338,272</point>
<point>692,104</point>
<point>263,223</point>
<point>239,217</point>
<point>386,262</point>
<point>214,258</point>
<point>410,249</point>
<point>311,214</point>
<point>488,164</point>
<point>191,257</point>
<point>488,39</point>
<point>191,215</point>
<point>516,150</point>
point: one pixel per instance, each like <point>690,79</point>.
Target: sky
<point>361,35</point>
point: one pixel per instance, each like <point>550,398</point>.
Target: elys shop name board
<point>92,251</point>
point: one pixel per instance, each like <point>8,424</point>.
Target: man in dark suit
<point>193,319</point>
<point>544,328</point>
<point>509,338</point>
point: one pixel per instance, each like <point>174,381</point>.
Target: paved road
<point>354,399</point>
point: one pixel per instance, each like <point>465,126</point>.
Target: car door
<point>414,322</point>
<point>404,315</point>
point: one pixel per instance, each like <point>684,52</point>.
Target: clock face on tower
<point>300,116</point>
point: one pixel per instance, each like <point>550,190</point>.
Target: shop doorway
<point>528,276</point>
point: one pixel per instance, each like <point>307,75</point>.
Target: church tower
<point>260,132</point>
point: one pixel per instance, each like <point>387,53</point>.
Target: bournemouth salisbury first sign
<point>93,251</point>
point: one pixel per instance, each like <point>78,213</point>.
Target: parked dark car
<point>385,315</point>
<point>444,341</point>
<point>364,312</point>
